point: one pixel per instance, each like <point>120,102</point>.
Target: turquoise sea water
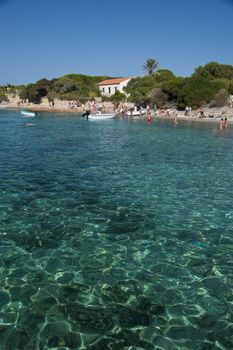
<point>115,234</point>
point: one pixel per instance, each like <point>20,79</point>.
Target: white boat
<point>28,113</point>
<point>99,116</point>
<point>135,113</point>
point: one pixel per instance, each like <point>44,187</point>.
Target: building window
<point>103,90</point>
<point>109,91</point>
<point>116,89</point>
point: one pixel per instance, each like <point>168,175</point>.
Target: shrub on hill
<point>158,97</point>
<point>214,70</point>
<point>164,75</point>
<point>198,91</point>
<point>172,88</point>
<point>138,88</point>
<point>220,99</point>
<point>77,87</point>
<point>118,97</point>
<point>230,88</point>
<point>3,96</point>
<point>147,89</point>
<point>68,87</point>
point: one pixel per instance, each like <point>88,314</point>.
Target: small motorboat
<point>28,113</point>
<point>135,112</point>
<point>98,115</point>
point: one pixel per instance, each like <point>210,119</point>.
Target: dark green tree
<point>118,97</point>
<point>214,70</point>
<point>198,91</point>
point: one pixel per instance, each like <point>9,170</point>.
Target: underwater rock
<point>103,343</point>
<point>96,318</point>
<point>145,276</point>
<point>171,297</point>
<point>36,277</point>
<point>129,318</point>
<point>163,343</point>
<point>92,277</point>
<point>189,333</point>
<point>114,293</point>
<point>131,339</point>
<point>70,340</point>
<point>64,277</point>
<point>32,318</point>
<point>17,338</point>
<point>122,226</point>
<point>4,298</point>
<point>207,321</point>
<point>214,306</point>
<point>200,267</point>
<point>56,264</point>
<point>73,292</point>
<point>217,288</point>
<point>43,301</point>
<point>54,329</point>
<point>169,270</point>
<point>7,318</point>
<point>145,304</point>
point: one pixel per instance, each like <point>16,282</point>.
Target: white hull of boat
<point>136,113</point>
<point>100,116</point>
<point>28,114</point>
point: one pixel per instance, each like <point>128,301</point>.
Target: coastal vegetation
<point>3,95</point>
<point>78,87</point>
<point>211,85</point>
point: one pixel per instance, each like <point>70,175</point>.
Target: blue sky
<point>50,38</point>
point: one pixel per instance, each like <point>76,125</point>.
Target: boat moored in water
<point>25,113</point>
<point>136,112</point>
<point>98,115</point>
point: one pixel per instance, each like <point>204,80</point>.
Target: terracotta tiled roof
<point>112,81</point>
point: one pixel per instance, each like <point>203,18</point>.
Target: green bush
<point>158,97</point>
<point>198,91</point>
<point>220,99</point>
<point>164,75</point>
<point>3,97</point>
<point>118,97</point>
<point>23,93</point>
<point>173,87</point>
<point>230,88</point>
<point>214,70</point>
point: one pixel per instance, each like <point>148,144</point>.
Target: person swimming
<point>175,118</point>
<point>225,123</point>
<point>221,124</point>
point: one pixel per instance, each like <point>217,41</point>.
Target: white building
<point>108,87</point>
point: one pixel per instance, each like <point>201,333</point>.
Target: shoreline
<point>63,108</point>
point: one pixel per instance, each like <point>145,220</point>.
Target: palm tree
<point>151,66</point>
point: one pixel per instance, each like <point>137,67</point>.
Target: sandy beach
<point>59,106</point>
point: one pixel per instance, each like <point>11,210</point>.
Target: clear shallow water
<point>115,234</point>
